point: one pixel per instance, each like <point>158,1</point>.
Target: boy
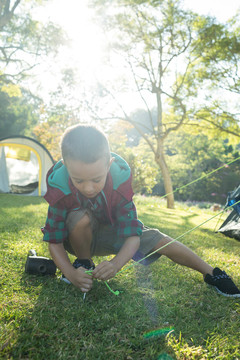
<point>91,212</point>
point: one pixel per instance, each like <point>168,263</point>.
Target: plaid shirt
<point>109,207</point>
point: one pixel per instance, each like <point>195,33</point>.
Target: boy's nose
<point>88,188</point>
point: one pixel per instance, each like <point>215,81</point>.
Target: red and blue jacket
<point>113,205</point>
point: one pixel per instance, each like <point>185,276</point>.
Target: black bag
<point>39,265</point>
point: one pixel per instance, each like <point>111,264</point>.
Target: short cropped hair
<point>85,143</point>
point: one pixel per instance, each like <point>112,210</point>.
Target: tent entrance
<point>24,164</point>
<point>22,168</point>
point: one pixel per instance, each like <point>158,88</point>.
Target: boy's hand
<point>80,279</point>
<point>105,271</point>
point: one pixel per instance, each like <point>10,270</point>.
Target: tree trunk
<point>160,160</point>
<point>159,154</point>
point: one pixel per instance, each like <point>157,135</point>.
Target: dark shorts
<point>106,242</point>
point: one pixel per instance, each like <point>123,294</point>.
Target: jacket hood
<point>58,177</point>
<point>119,170</point>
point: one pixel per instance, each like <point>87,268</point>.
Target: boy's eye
<point>96,180</point>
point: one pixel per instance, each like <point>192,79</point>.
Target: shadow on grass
<point>20,212</point>
<point>62,326</point>
<point>17,222</point>
<point>52,322</point>
<point>222,239</point>
<point>164,222</point>
<point>19,201</point>
<point>197,312</point>
<point>183,230</point>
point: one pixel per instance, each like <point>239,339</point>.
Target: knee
<point>85,220</point>
<point>83,224</point>
<point>161,238</point>
<point>162,242</point>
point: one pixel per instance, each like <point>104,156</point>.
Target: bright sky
<point>87,41</point>
<point>75,17</point>
<point>221,9</point>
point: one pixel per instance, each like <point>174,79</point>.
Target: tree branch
<point>7,14</point>
<point>143,99</point>
<point>231,132</point>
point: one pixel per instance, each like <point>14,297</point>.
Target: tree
<point>194,156</point>
<point>164,48</point>
<point>138,155</point>
<point>23,44</point>
<point>23,40</point>
<point>7,12</point>
<point>217,72</point>
<point>18,115</point>
<point>62,111</point>
<point>154,38</point>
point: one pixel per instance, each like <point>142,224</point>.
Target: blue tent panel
<point>231,226</point>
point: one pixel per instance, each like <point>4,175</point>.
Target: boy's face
<point>89,179</point>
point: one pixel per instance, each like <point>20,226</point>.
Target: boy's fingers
<point>104,271</point>
<point>83,270</point>
<point>102,275</point>
<point>99,269</point>
<point>102,265</point>
<point>83,281</point>
<point>85,287</point>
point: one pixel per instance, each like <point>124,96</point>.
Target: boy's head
<point>86,154</point>
<point>85,143</point>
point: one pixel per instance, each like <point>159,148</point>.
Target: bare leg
<point>182,255</point>
<point>81,238</point>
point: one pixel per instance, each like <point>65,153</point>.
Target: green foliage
<point>217,120</point>
<point>11,90</point>
<point>193,156</point>
<point>188,61</point>
<point>140,159</point>
<point>158,45</point>
<point>216,73</point>
<point>23,42</point>
<point>18,115</point>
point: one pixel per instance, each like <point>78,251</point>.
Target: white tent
<point>24,164</point>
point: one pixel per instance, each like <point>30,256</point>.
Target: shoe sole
<point>65,280</point>
<point>227,295</point>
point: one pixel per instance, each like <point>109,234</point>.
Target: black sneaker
<point>222,283</point>
<point>85,263</point>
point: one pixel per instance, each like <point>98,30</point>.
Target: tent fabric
<point>24,164</point>
<point>17,153</point>
<point>231,226</point>
<point>234,197</point>
<point>4,181</point>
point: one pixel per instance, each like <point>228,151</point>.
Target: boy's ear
<point>111,161</point>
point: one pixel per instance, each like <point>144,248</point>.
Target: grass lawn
<point>44,318</point>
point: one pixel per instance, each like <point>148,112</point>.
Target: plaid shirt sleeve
<point>55,230</point>
<point>127,223</point>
